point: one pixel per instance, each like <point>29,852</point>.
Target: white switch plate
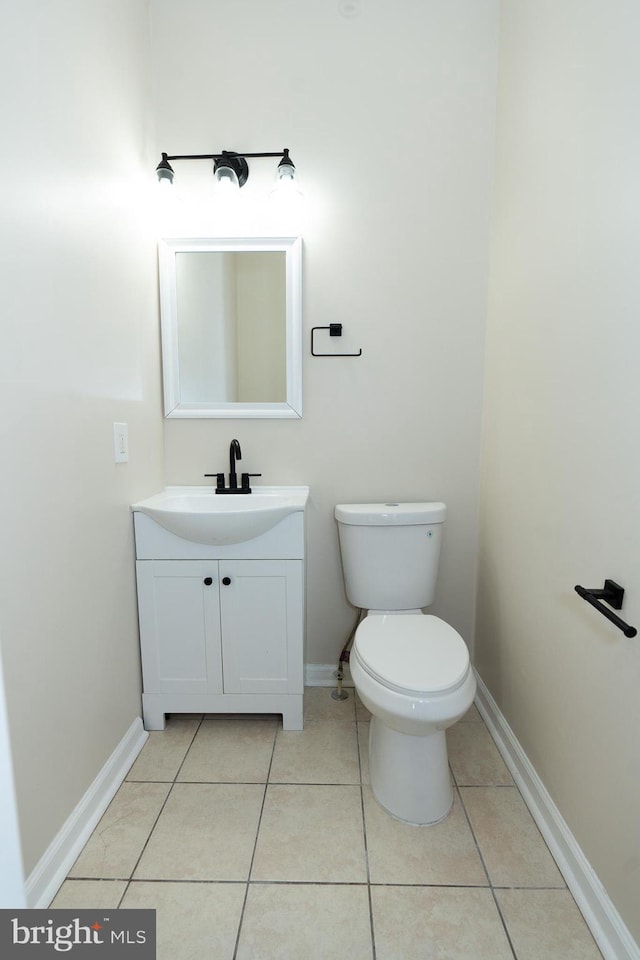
<point>121,442</point>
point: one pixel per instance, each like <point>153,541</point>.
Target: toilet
<point>411,670</point>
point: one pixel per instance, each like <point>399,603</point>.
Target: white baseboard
<point>606,924</point>
<point>324,675</point>
<point>52,868</point>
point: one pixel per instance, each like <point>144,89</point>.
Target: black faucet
<point>235,453</point>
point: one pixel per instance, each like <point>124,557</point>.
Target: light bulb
<point>226,179</point>
<point>164,172</point>
<point>287,188</point>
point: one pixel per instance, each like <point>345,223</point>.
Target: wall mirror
<point>231,319</point>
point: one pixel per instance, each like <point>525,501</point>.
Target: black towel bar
<point>612,593</point>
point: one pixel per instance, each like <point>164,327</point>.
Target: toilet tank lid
<point>390,514</point>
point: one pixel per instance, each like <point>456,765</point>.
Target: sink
<point>199,514</point>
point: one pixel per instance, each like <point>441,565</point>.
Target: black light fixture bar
<point>237,162</point>
<point>222,156</point>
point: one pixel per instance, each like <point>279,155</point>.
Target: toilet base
<point>410,774</point>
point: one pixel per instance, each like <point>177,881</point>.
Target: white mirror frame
<point>173,407</point>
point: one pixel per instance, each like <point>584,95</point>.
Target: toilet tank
<point>390,553</point>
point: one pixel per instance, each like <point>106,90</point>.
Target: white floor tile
<point>200,828</point>
<point>207,831</point>
<point>311,834</point>
<point>310,921</point>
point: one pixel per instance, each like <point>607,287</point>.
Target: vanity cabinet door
<point>261,612</point>
<point>179,610</point>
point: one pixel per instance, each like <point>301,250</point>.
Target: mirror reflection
<point>231,327</point>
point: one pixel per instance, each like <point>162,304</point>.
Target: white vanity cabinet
<point>221,627</point>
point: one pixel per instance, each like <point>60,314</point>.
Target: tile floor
<point>254,843</point>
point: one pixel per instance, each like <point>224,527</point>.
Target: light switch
<point>121,442</point>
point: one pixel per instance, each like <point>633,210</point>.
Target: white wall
<point>12,891</point>
<point>561,461</point>
<point>80,350</point>
<point>389,119</point>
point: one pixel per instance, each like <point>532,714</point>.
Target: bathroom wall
<point>561,459</point>
<point>389,118</point>
<point>79,351</point>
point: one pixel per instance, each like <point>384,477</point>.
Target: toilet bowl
<point>413,674</point>
<point>411,670</point>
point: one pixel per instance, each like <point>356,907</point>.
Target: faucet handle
<point>245,480</point>
<point>219,479</point>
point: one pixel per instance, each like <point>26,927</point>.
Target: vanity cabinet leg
<point>292,714</point>
<point>153,716</point>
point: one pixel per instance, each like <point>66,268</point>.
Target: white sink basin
<point>200,515</point>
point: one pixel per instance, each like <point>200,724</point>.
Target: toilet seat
<point>416,655</point>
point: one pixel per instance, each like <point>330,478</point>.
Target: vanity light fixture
<point>230,169</point>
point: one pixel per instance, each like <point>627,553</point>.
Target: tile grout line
<point>320,883</point>
<point>155,822</point>
<point>514,786</point>
<point>364,831</point>
<point>485,868</point>
<point>255,846</point>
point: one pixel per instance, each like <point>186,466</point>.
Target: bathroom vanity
<point>221,623</point>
